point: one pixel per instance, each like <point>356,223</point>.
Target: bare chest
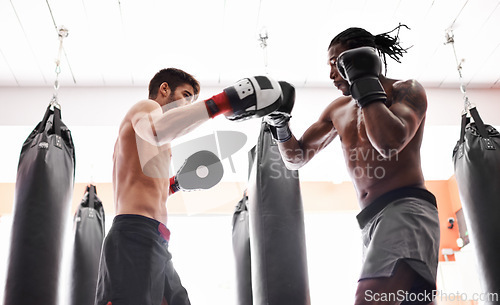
<point>349,123</point>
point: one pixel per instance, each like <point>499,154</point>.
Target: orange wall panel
<point>449,237</point>
<point>317,197</point>
<point>454,195</point>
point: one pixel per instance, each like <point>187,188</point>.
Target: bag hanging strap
<point>91,198</point>
<point>57,121</point>
<point>242,205</point>
<point>41,126</point>
<point>481,128</point>
<point>92,193</point>
<point>465,121</point>
<point>479,123</point>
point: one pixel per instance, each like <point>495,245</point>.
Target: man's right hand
<point>201,171</point>
<point>278,120</point>
<point>361,67</point>
<point>250,97</point>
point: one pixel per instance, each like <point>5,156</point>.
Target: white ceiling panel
<point>40,34</point>
<point>478,34</point>
<point>488,72</point>
<point>122,43</point>
<point>17,49</point>
<point>482,54</point>
<point>81,48</point>
<point>7,78</point>
<point>110,50</point>
<point>115,46</point>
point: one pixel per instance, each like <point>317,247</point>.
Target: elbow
<point>293,156</point>
<point>294,162</point>
<point>390,149</point>
<point>388,153</point>
<point>393,143</point>
<point>292,165</point>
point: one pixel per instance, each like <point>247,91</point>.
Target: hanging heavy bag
<point>241,245</point>
<point>89,230</point>
<point>241,251</point>
<point>43,192</point>
<point>477,170</point>
<point>277,232</point>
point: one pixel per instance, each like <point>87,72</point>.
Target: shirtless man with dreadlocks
<point>380,123</point>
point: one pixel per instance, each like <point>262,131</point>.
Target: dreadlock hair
<point>384,43</point>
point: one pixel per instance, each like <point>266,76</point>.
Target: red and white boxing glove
<point>251,97</point>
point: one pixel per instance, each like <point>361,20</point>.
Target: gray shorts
<point>402,225</point>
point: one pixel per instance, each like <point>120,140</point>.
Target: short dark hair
<point>385,44</point>
<point>174,78</point>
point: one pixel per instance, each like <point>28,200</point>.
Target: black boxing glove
<point>361,68</point>
<point>279,119</point>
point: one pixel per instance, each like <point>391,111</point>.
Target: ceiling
<point>122,42</point>
<point>115,46</point>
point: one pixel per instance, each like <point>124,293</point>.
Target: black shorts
<point>136,266</point>
<point>402,226</point>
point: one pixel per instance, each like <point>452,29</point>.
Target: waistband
<point>151,223</point>
<point>382,201</point>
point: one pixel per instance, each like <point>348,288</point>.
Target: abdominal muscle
<point>373,175</point>
<point>140,190</point>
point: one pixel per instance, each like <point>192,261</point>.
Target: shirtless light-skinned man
<point>136,266</point>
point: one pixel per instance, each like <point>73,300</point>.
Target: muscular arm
<point>159,128</point>
<point>390,129</point>
<point>296,153</point>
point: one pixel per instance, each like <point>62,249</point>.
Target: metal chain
<point>450,39</point>
<point>62,33</point>
<point>263,36</point>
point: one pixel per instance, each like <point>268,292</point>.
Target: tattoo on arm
<point>410,95</point>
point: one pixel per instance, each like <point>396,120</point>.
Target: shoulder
<point>334,106</point>
<point>145,105</point>
<point>402,88</point>
<point>142,108</point>
<point>410,93</point>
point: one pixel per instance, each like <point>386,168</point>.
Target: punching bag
<point>241,251</point>
<point>477,170</point>
<point>241,245</point>
<point>89,229</point>
<point>277,233</point>
<point>43,191</point>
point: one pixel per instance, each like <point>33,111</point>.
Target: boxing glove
<point>278,120</point>
<point>248,98</point>
<point>361,68</point>
<point>202,170</point>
